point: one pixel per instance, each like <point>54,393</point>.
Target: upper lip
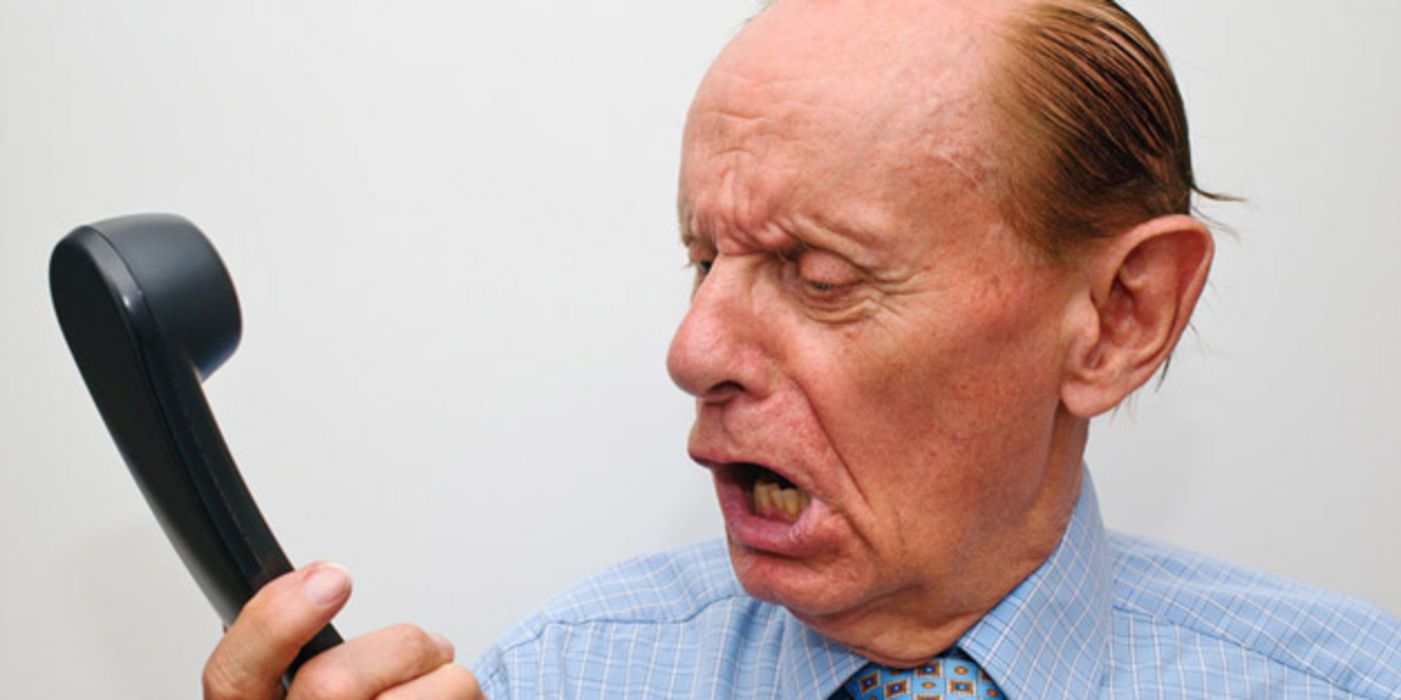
<point>714,462</point>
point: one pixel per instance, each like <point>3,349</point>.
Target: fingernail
<point>328,584</point>
<point>443,644</point>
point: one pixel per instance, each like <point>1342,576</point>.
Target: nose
<point>717,352</point>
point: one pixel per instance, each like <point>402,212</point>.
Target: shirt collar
<point>1049,636</point>
<point>1046,639</point>
<point>810,665</point>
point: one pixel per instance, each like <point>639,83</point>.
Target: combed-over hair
<point>1097,133</point>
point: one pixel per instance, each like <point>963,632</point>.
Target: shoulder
<point>665,587</point>
<point>1232,625</point>
<point>645,624</point>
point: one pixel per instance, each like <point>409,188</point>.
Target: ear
<point>1142,287</point>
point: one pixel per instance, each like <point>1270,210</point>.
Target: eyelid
<point>824,270</point>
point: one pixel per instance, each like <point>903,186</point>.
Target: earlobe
<point>1143,286</point>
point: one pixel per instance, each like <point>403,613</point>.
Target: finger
<point>449,682</point>
<point>284,615</point>
<point>368,665</point>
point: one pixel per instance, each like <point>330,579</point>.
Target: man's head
<point>879,331</point>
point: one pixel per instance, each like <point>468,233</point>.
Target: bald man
<point>932,239</point>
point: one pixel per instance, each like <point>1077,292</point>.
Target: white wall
<point>451,226</point>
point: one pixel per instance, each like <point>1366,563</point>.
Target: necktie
<point>950,676</point>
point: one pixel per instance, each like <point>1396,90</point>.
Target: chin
<point>807,589</point>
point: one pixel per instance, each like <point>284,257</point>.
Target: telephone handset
<point>149,312</point>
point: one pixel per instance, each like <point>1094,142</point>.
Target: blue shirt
<point>1107,615</point>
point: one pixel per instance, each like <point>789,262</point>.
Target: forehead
<point>842,110</point>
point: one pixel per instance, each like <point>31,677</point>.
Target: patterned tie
<point>947,677</point>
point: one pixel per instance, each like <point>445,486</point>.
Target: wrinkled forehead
<point>846,90</point>
<point>860,44</point>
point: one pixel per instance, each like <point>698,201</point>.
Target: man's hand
<point>395,663</point>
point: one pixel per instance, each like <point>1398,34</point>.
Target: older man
<point>932,239</point>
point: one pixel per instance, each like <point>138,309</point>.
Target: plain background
<point>451,226</point>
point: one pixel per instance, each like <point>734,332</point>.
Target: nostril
<point>717,352</point>
<point>722,391</point>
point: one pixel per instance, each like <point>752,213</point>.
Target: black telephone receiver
<point>149,311</point>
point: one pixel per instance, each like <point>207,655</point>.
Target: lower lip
<point>747,528</point>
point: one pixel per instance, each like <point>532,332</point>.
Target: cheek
<point>965,395</point>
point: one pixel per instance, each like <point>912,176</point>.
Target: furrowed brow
<point>689,237</point>
<point>683,225</point>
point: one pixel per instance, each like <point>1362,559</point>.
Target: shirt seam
<point>548,623</point>
<point>493,677</point>
<point>1120,607</point>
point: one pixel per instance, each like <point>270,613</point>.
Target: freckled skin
<point>869,324</point>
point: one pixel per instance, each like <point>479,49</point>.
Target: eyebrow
<point>800,242</point>
<point>683,224</point>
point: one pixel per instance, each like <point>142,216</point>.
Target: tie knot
<point>949,676</point>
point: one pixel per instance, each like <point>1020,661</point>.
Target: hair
<point>1095,133</point>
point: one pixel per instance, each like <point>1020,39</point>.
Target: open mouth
<point>771,495</point>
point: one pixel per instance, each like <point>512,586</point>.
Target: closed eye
<point>823,272</point>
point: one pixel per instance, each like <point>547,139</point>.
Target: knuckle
<point>324,683</point>
<point>275,620</point>
<point>267,621</point>
<point>220,682</point>
<point>448,682</point>
<point>413,641</point>
<point>256,623</point>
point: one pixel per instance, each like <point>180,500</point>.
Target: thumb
<point>284,615</point>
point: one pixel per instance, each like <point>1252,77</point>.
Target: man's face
<point>867,338</point>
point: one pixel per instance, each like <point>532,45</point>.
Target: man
<point>932,239</point>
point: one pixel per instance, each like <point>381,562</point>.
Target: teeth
<point>770,499</point>
<point>762,500</point>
